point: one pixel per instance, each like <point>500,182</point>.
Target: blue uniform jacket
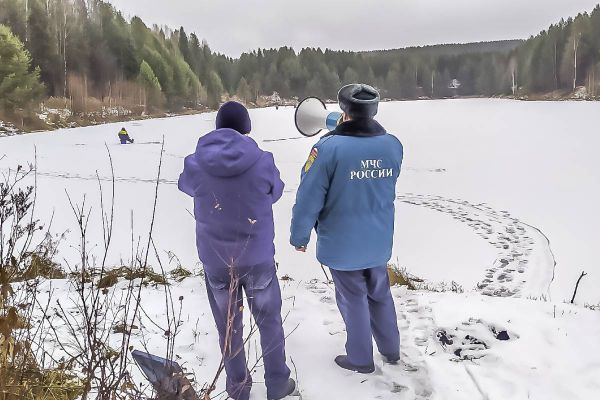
<point>347,191</point>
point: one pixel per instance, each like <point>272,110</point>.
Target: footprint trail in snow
<point>525,263</point>
<point>410,378</point>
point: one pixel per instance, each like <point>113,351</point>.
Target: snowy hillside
<point>499,197</point>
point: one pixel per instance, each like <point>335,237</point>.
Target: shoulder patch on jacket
<point>311,159</point>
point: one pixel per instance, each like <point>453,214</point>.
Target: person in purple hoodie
<point>234,185</point>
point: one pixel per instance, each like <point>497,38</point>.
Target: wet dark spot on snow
<point>443,338</point>
<point>502,335</point>
<point>471,339</point>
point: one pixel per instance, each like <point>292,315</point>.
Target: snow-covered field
<point>500,197</point>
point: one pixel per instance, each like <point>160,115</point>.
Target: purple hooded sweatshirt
<point>234,185</point>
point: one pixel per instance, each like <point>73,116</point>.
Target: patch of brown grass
<point>180,273</point>
<point>399,277</point>
<point>40,266</point>
<point>21,377</point>
<point>113,276</point>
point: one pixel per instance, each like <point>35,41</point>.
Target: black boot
<point>289,390</point>
<point>343,362</point>
<point>392,360</point>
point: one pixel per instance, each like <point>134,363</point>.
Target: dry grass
<point>21,377</point>
<point>441,287</point>
<point>58,103</point>
<point>41,267</point>
<point>593,307</point>
<point>180,273</point>
<point>36,384</point>
<point>399,277</point>
<point>112,277</point>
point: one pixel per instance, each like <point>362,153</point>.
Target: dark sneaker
<point>290,390</point>
<point>343,362</point>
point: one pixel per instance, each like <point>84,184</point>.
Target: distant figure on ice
<point>124,136</point>
<point>234,185</point>
<point>347,190</point>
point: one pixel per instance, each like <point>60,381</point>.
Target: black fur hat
<point>359,100</point>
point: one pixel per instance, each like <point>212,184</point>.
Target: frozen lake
<point>523,170</point>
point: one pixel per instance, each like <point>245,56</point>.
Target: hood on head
<point>226,152</point>
<point>221,153</point>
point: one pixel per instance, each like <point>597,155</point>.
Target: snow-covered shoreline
<point>454,346</point>
<point>126,118</point>
<point>499,197</point>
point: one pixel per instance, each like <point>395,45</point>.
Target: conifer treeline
<point>86,48</point>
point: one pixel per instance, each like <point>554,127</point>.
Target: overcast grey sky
<point>235,26</point>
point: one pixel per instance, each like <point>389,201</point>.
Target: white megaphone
<point>312,117</point>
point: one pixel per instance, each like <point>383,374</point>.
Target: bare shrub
<point>100,322</point>
<point>57,103</point>
<point>23,265</point>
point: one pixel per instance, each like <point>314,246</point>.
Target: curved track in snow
<point>95,178</point>
<point>525,263</point>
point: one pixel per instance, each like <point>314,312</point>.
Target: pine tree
<point>19,86</point>
<point>184,47</point>
<point>350,76</point>
<point>152,89</point>
<point>88,45</point>
<point>12,14</point>
<point>214,89</point>
<point>42,44</point>
<point>243,91</point>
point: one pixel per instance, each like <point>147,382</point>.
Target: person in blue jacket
<point>347,192</point>
<point>234,185</point>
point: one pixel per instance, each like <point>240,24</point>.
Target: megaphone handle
<point>333,120</point>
